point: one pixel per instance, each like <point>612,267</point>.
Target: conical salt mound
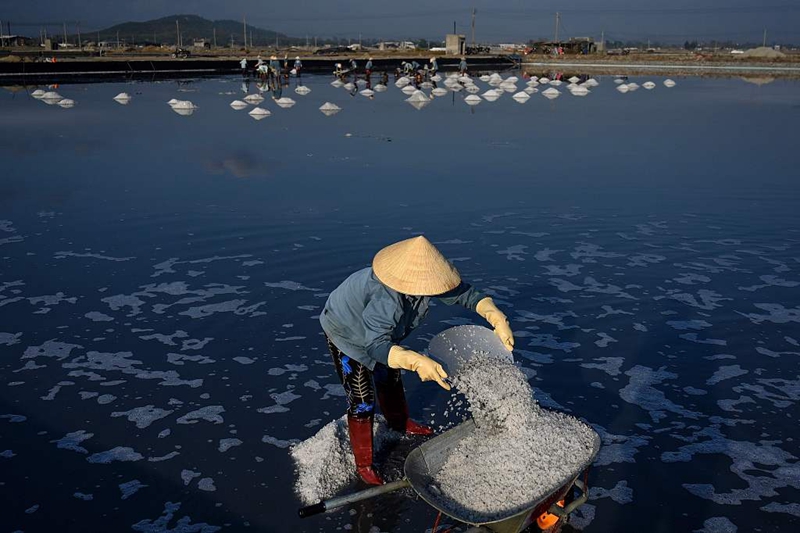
<point>415,267</point>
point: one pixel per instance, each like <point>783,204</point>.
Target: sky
<point>497,20</point>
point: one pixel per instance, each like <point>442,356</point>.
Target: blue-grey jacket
<point>364,318</point>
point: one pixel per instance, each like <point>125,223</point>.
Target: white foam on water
<point>9,339</point>
<point>726,372</point>
<point>120,453</point>
<point>143,416</point>
<point>227,444</point>
<point>718,524</point>
<point>130,488</point>
<point>182,525</point>
<point>210,413</point>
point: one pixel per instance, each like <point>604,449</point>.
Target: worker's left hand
<point>498,320</point>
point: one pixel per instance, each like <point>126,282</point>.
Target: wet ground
<point>161,276</point>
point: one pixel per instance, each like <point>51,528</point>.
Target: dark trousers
<point>360,383</point>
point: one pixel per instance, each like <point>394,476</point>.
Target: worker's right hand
<point>426,368</point>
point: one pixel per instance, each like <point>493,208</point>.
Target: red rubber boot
<point>392,399</point>
<point>360,430</point>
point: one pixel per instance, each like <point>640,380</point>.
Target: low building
<point>15,41</point>
<point>202,44</point>
<point>455,44</point>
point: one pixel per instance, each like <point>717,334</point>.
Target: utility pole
<point>603,40</point>
<point>454,27</point>
<point>215,37</point>
<point>765,37</point>
<point>474,12</point>
<point>558,19</point>
<point>80,44</point>
<point>244,20</point>
<point>177,34</point>
<point>276,41</point>
<point>315,41</point>
<point>65,35</point>
<point>117,39</point>
<point>359,41</point>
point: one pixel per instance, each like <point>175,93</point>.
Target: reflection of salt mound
<point>426,85</point>
<point>38,93</point>
<point>649,85</point>
<point>669,83</point>
<point>259,113</point>
<point>402,82</point>
<point>633,86</point>
<point>473,89</point>
<point>579,90</point>
<point>329,109</point>
<point>238,105</point>
<point>623,88</point>
<point>348,86</point>
<point>285,102</point>
<point>619,81</point>
<point>172,102</point>
<point>324,462</point>
<point>123,98</point>
<point>491,95</point>
<point>508,87</point>
<point>436,78</point>
<point>517,451</point>
<point>556,83</point>
<point>521,97</point>
<point>457,88</point>
<point>409,89</point>
<point>302,90</point>
<point>380,88</point>
<point>184,111</point>
<point>183,104</point>
<point>544,81</point>
<point>66,103</point>
<point>51,98</point>
<point>530,90</point>
<point>439,91</point>
<point>464,79</point>
<point>574,79</point>
<point>337,83</point>
<point>591,82</point>
<point>512,79</point>
<point>533,83</point>
<point>369,93</point>
<point>361,83</point>
<point>254,99</point>
<point>551,93</point>
<point>473,99</point>
<point>418,96</point>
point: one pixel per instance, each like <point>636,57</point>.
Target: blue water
<point>646,247</point>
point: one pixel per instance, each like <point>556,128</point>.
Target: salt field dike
<point>399,268</point>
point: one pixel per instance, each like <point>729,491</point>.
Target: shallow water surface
<point>161,277</point>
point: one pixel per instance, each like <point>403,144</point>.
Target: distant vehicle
<point>618,52</point>
<point>181,53</point>
<point>737,52</point>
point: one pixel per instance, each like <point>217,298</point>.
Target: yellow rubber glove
<point>426,368</point>
<point>498,320</point>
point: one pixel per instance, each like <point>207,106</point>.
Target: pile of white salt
<point>324,463</point>
<point>518,454</point>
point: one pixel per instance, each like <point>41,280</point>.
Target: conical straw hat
<point>415,267</point>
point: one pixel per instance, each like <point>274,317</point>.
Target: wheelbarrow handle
<point>333,503</point>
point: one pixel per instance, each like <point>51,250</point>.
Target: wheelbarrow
<point>453,348</point>
<point>424,462</point>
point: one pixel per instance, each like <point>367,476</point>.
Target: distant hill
<point>164,31</point>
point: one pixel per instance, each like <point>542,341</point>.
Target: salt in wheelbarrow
<point>424,462</point>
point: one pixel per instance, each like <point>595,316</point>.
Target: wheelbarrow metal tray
<point>424,462</point>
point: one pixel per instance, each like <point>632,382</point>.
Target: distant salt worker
<point>353,65</point>
<point>243,63</point>
<point>370,313</point>
<point>368,67</point>
<point>298,66</point>
<point>434,66</point>
<point>462,67</point>
<point>274,66</point>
